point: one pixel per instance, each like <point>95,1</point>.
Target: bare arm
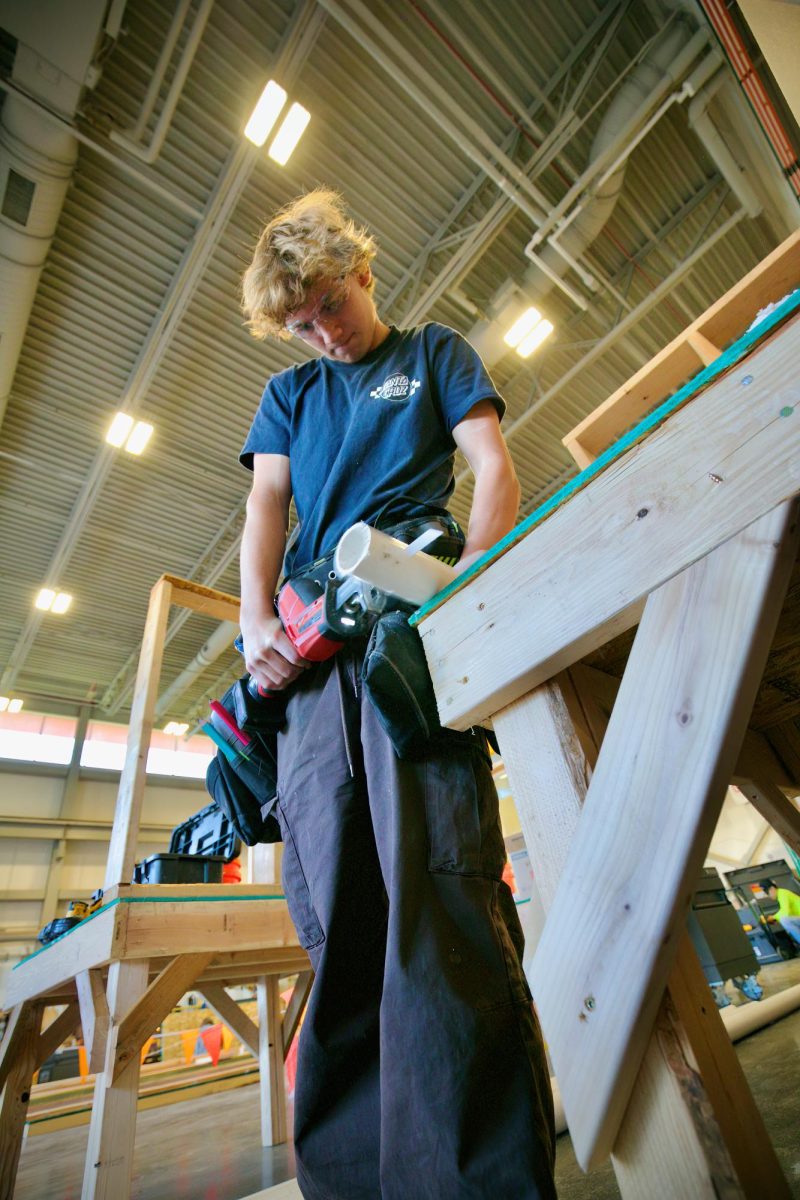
<point>269,655</point>
<point>495,499</point>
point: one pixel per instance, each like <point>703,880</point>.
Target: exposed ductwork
<point>36,164</point>
<point>579,217</point>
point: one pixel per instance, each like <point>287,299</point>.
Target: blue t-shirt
<point>372,438</point>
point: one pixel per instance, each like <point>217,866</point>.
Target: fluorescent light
<point>139,438</point>
<point>289,134</point>
<point>119,430</point>
<point>61,602</point>
<point>15,706</point>
<point>4,703</point>
<point>45,599</point>
<point>534,339</point>
<point>522,327</point>
<point>175,728</point>
<point>265,113</point>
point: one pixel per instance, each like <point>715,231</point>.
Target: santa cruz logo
<point>396,387</point>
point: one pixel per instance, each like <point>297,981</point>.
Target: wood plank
<point>169,929</point>
<point>295,1008</point>
<point>127,815</point>
<point>272,1089</point>
<point>654,798</point>
<point>92,943</point>
<point>193,891</point>
<point>149,1010</point>
<point>196,596</point>
<point>109,1152</point>
<point>584,572</point>
<point>784,739</point>
<point>660,1137</point>
<point>17,1093</point>
<point>231,1015</point>
<point>780,813</point>
<point>770,280</point>
<point>57,1032</point>
<point>95,1018</point>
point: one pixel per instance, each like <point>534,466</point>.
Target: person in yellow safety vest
<point>788,914</point>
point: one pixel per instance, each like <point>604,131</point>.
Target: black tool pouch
<point>245,788</point>
<point>396,679</point>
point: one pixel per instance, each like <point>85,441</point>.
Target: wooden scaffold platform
<point>122,970</point>
<point>686,525</point>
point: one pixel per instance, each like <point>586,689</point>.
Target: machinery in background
<point>770,941</point>
<point>720,941</point>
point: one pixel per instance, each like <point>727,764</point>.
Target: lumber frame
<point>231,1015</point>
<point>586,570</point>
<point>698,345</point>
<point>295,1008</point>
<point>24,1044</point>
<point>94,1016</point>
<point>272,1089</point>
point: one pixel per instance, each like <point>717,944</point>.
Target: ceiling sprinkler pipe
<point>151,152</point>
<point>384,562</point>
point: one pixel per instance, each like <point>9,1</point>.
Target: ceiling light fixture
<point>139,438</point>
<point>49,600</point>
<point>7,704</point>
<point>265,113</point>
<point>289,134</point>
<point>175,728</point>
<point>119,429</point>
<point>528,332</point>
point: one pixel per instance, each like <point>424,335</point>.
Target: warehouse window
<point>38,738</point>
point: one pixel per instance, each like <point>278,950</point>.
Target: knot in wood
<point>642,513</point>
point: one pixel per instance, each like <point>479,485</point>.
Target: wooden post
<point>94,1016</point>
<point>22,1062</point>
<point>272,1091</point>
<point>109,1154</point>
<point>122,848</point>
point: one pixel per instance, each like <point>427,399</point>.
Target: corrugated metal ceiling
<point>119,245</point>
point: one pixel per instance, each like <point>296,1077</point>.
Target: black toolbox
<point>197,851</point>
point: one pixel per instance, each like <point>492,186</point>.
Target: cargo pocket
<point>296,890</point>
<point>461,812</point>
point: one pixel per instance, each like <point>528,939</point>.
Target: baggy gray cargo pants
<point>421,1070</point>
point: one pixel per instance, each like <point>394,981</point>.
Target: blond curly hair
<point>310,240</point>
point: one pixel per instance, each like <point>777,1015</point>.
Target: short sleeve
<point>461,378</point>
<point>270,432</point>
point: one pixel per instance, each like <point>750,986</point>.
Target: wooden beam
<point>109,1153</point>
<point>17,1094</point>
<point>208,601</point>
<point>231,1015</point>
<point>727,319</point>
<point>272,1089</point>
<point>95,1018</point>
<point>583,573</point>
<point>785,742</point>
<point>57,1032</point>
<point>124,834</point>
<point>89,944</point>
<point>150,1009</point>
<point>777,810</point>
<point>296,1007</point>
<point>655,795</point>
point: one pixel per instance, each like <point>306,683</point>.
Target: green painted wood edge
<point>735,352</point>
<point>141,900</point>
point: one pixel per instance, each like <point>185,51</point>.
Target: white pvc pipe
<point>383,561</point>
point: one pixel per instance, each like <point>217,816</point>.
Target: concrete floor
<point>209,1149</point>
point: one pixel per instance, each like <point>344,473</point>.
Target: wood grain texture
<point>94,1016</point>
<point>17,1093</point>
<point>662,772</point>
<point>272,1089</point>
<point>581,577</point>
<point>127,815</point>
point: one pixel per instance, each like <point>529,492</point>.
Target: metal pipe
<point>151,152</point>
<point>164,59</point>
<point>706,130</point>
<point>220,641</point>
<point>445,124</point>
<point>128,168</point>
<point>600,347</point>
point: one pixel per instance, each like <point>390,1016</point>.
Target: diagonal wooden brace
<point>661,775</point>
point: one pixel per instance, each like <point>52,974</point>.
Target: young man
<point>421,1072</point>
<point>788,914</point>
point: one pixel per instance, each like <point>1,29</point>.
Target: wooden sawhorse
<point>122,970</point>
<point>693,534</point>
